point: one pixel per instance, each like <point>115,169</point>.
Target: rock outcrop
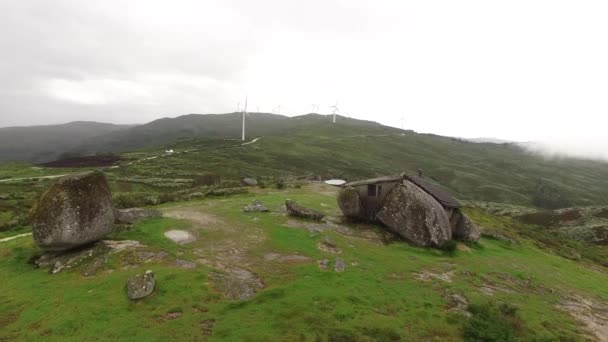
<point>74,211</point>
<point>350,202</point>
<point>465,230</point>
<point>415,216</point>
<point>294,209</point>
<point>141,285</point>
<point>132,215</point>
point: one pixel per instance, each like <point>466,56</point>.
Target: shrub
<point>450,247</point>
<point>281,184</point>
<point>492,323</point>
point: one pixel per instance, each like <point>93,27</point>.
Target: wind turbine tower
<point>244,113</point>
<point>334,111</point>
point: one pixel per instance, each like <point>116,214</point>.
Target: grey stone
<point>416,216</point>
<point>249,181</point>
<point>74,211</point>
<point>141,285</point>
<point>465,230</point>
<point>132,215</point>
<point>256,207</point>
<point>350,202</point>
<point>294,209</point>
<point>329,241</point>
<point>340,265</point>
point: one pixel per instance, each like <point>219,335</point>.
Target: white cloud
<point>519,70</point>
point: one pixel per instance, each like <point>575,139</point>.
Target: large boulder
<point>132,215</point>
<point>415,216</point>
<point>350,202</point>
<point>74,211</point>
<point>465,230</point>
<point>294,209</point>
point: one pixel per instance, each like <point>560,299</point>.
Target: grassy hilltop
<point>528,278</point>
<point>389,291</point>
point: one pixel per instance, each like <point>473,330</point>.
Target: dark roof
<point>439,194</point>
<point>388,179</point>
<point>442,196</point>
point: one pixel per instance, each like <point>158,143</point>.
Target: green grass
<point>379,299</point>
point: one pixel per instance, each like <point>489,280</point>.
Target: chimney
<point>420,173</point>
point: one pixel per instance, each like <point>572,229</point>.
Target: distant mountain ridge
<point>46,143</point>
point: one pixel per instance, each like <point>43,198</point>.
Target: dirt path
<point>28,178</point>
<point>14,237</point>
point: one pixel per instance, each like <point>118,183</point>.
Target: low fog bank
<point>582,149</point>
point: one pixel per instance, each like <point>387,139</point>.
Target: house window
<point>371,190</point>
<point>379,191</point>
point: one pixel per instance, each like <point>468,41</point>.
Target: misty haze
<point>288,171</point>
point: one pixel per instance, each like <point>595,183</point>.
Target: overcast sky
<point>520,70</point>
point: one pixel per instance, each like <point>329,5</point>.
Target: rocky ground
<point>224,274</point>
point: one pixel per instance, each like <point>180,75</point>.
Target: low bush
<point>491,322</point>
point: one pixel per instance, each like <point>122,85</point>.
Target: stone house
<point>410,205</point>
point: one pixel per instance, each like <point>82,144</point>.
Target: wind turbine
<point>244,113</point>
<point>334,109</point>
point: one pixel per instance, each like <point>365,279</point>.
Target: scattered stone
<point>286,258</point>
<point>75,211</point>
<point>140,286</point>
<point>249,181</point>
<point>329,241</point>
<point>428,275</point>
<point>458,303</point>
<point>173,315</point>
<point>132,215</point>
<point>328,244</point>
<point>323,264</point>
<point>207,326</point>
<point>236,283</point>
<point>150,256</point>
<point>121,245</point>
<point>340,265</point>
<point>185,264</point>
<point>256,207</point>
<point>180,236</point>
<point>415,216</point>
<point>294,209</point>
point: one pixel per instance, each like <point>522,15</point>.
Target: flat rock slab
<point>180,236</point>
<point>98,252</point>
<point>236,283</point>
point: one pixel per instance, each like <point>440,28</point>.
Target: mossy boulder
<point>296,210</point>
<point>74,211</point>
<point>350,203</point>
<point>415,216</point>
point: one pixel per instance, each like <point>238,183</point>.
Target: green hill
<point>320,150</point>
<point>39,144</point>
